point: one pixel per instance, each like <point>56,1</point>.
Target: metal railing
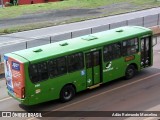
<point>147,21</point>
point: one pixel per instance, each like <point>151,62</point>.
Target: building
<point>23,2</point>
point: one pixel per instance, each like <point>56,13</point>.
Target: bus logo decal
<point>15,66</point>
<point>109,65</point>
<point>17,84</point>
<point>89,81</point>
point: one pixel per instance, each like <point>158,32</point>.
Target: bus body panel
<point>50,90</point>
<point>95,70</point>
<point>112,69</point>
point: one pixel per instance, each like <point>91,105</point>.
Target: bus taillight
<point>23,93</point>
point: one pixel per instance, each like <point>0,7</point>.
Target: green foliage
<point>16,11</point>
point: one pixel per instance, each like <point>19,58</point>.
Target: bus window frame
<point>126,54</point>
<point>49,68</point>
<point>111,45</point>
<point>38,74</point>
<point>33,81</point>
<point>82,56</point>
<point>40,78</point>
<point>56,59</point>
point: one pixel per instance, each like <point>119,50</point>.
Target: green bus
<point>61,69</point>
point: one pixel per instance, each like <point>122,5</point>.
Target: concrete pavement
<point>3,90</point>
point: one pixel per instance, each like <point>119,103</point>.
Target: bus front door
<point>93,67</point>
<point>145,52</point>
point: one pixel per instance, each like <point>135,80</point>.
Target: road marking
<point>5,99</point>
<point>99,94</point>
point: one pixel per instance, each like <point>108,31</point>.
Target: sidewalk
<point>3,90</point>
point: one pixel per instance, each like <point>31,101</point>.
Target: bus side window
<point>88,60</point>
<point>33,73</point>
<point>112,51</point>
<point>107,53</point>
<point>61,65</point>
<point>130,47</point>
<point>124,48</point>
<point>75,62</point>
<point>116,50</point>
<point>52,64</point>
<point>80,61</point>
<point>43,71</point>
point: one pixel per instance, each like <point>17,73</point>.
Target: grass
<point>16,11</point>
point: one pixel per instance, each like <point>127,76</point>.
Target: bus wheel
<point>67,93</point>
<point>130,72</point>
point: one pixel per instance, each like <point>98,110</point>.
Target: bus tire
<point>67,93</point>
<point>130,72</point>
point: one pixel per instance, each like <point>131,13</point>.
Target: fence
<point>147,21</point>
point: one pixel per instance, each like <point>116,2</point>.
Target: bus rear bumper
<point>23,101</point>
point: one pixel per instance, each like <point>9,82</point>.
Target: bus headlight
<point>142,63</point>
<point>146,61</point>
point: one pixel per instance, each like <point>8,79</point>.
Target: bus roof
<point>78,44</point>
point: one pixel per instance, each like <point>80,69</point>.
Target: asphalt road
<point>138,94</point>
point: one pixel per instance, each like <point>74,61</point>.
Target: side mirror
<point>154,41</point>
